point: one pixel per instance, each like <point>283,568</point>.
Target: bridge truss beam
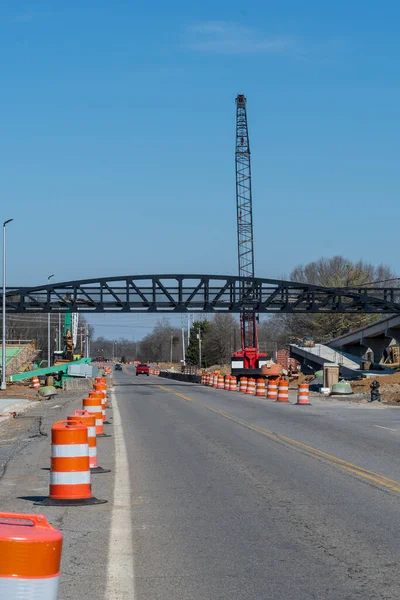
<point>198,293</point>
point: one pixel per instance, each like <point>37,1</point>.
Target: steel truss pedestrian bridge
<point>198,293</point>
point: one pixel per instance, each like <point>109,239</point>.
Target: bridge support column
<point>394,334</point>
<point>378,345</point>
<point>355,348</point>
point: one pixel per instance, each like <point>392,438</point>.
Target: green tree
<point>192,352</point>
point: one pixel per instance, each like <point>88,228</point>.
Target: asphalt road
<point>231,497</point>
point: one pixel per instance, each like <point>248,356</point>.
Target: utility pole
<point>183,341</point>
<point>4,350</point>
<point>48,328</point>
<point>59,331</point>
<point>172,339</point>
<point>200,340</point>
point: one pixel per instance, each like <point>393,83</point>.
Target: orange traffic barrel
<point>203,379</point>
<point>70,468</point>
<point>243,385</point>
<point>101,387</point>
<point>227,382</point>
<point>30,551</point>
<point>232,384</point>
<point>100,396</point>
<point>251,386</point>
<point>82,416</point>
<point>215,380</point>
<point>210,379</point>
<point>272,389</point>
<point>35,382</point>
<point>101,380</point>
<point>220,382</point>
<point>303,395</point>
<point>93,406</point>
<point>260,387</point>
<point>283,391</point>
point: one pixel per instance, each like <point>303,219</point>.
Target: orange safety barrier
<point>93,406</point>
<point>35,382</point>
<point>251,386</point>
<point>210,379</point>
<point>232,384</point>
<point>30,550</point>
<point>272,389</point>
<point>100,397</point>
<point>215,380</point>
<point>70,469</point>
<point>283,391</point>
<point>227,382</point>
<point>260,387</point>
<point>303,395</point>
<point>203,379</point>
<point>102,387</point>
<point>82,416</point>
<point>220,382</point>
<point>243,385</point>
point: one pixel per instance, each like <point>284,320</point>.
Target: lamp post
<point>48,331</point>
<point>3,356</point>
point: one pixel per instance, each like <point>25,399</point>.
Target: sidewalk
<point>14,405</point>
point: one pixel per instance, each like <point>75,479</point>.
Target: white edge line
<point>120,570</point>
<point>382,427</point>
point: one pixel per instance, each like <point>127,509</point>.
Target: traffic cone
<point>70,468</point>
<point>35,382</point>
<point>30,551</point>
<point>82,416</point>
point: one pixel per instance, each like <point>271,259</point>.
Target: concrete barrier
<point>78,383</point>
<point>181,377</point>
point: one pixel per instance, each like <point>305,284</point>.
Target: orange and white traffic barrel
<point>215,380</point>
<point>70,483</point>
<point>221,383</point>
<point>272,389</point>
<point>303,395</point>
<point>227,382</point>
<point>82,416</point>
<point>260,387</point>
<point>210,380</point>
<point>232,384</point>
<point>203,379</point>
<point>93,406</point>
<point>251,386</point>
<point>283,391</point>
<point>102,387</point>
<point>100,395</point>
<point>30,551</point>
<point>35,382</point>
<point>243,385</point>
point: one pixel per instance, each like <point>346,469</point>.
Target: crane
<point>248,360</point>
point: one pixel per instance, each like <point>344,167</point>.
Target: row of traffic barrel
<point>154,371</point>
<point>30,547</point>
<point>273,388</point>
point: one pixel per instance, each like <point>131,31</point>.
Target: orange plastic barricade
<point>283,391</point>
<point>203,379</point>
<point>70,469</point>
<point>101,387</point>
<point>272,389</point>
<point>30,551</point>
<point>232,384</point>
<point>260,387</point>
<point>243,385</point>
<point>35,382</point>
<point>210,380</point>
<point>82,416</point>
<point>303,395</point>
<point>93,406</point>
<point>251,386</point>
<point>215,380</point>
<point>220,382</point>
<point>100,397</point>
<point>227,382</point>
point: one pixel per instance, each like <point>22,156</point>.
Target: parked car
<point>118,367</point>
<point>143,369</point>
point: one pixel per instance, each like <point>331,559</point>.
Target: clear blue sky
<point>117,136</point>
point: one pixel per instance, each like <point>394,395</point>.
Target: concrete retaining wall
<point>181,377</point>
<point>78,383</point>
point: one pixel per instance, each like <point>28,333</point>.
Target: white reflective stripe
<point>91,431</point>
<point>93,409</point>
<point>34,589</point>
<point>69,478</point>
<point>93,451</point>
<point>69,450</point>
<point>99,422</point>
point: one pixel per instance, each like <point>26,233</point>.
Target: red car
<point>143,370</point>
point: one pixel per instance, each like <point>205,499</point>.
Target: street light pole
<point>48,331</point>
<point>3,341</point>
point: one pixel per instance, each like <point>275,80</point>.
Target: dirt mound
<point>390,386</point>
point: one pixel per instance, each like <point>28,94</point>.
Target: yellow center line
<point>371,476</point>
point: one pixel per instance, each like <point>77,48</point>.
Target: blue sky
<point>118,122</point>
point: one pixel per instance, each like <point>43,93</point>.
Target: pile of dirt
<point>389,389</point>
<point>19,390</point>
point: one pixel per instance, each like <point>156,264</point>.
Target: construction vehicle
<point>70,337</point>
<point>248,360</point>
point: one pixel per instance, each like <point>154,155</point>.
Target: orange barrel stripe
<point>82,416</point>
<point>272,389</point>
<point>220,382</point>
<point>100,396</point>
<point>283,391</point>
<point>35,382</point>
<point>251,386</point>
<point>260,387</point>
<point>30,550</point>
<point>101,387</point>
<point>70,469</point>
<point>232,384</point>
<point>243,385</point>
<point>227,382</point>
<point>303,394</point>
<point>93,406</point>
